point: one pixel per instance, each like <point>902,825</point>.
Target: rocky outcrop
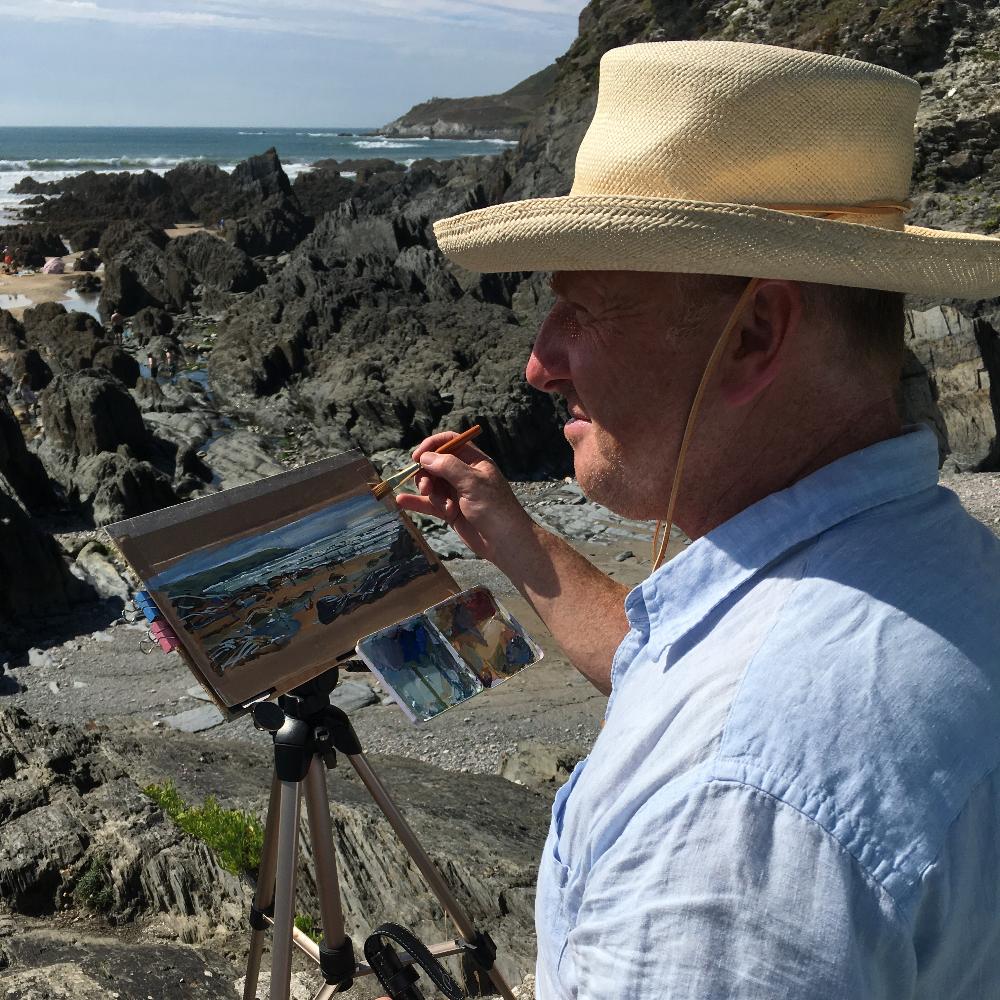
<point>140,274</point>
<point>98,448</point>
<point>72,341</point>
<point>88,202</point>
<point>22,475</point>
<point>322,189</point>
<point>31,245</point>
<point>34,563</point>
<point>385,340</point>
<point>216,264</point>
<point>77,832</point>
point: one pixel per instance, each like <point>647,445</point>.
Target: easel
<point>308,731</point>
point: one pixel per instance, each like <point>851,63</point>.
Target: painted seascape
<point>249,598</point>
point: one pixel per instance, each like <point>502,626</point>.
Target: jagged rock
<point>87,261</point>
<point>120,363</point>
<point>944,385</point>
<point>28,185</point>
<point>270,230</point>
<point>34,579</point>
<point>69,341</point>
<point>30,245</point>
<point>116,485</point>
<point>95,446</point>
<point>90,412</point>
<point>11,332</point>
<point>322,188</point>
<point>29,362</point>
<point>98,570</point>
<point>141,274</point>
<point>151,322</point>
<point>205,187</point>
<point>21,469</point>
<point>540,764</point>
<point>90,201</point>
<point>88,284</point>
<point>216,264</point>
<point>120,234</point>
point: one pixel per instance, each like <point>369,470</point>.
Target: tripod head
<point>303,723</point>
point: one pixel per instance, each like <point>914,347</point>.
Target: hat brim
<point>620,233</point>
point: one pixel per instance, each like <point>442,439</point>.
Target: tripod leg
<point>337,951</point>
<point>284,889</point>
<point>263,897</point>
<point>423,862</point>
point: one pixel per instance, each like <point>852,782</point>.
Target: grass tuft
<point>236,837</point>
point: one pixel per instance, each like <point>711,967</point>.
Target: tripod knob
<point>267,716</point>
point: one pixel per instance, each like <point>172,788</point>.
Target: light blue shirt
<point>796,792</point>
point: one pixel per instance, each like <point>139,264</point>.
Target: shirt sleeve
<point>731,894</point>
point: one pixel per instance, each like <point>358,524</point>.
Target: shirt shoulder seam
<point>869,878</point>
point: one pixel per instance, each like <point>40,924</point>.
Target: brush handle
<point>405,475</point>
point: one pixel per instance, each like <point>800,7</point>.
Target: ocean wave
<point>251,133</point>
<point>387,143</point>
<point>320,135</point>
<point>78,163</point>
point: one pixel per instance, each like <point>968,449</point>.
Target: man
<point>796,790</point>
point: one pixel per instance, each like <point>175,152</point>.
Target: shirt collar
<point>685,590</point>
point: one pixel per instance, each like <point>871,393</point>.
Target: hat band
<point>872,210</point>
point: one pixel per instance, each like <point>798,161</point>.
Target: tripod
<point>307,732</point>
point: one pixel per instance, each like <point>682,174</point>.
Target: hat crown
<point>732,122</point>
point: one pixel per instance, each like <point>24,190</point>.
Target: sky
<point>264,62</point>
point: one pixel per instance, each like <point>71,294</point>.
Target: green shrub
<point>95,890</point>
<point>236,837</point>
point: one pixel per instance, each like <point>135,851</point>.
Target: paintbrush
<point>379,490</point>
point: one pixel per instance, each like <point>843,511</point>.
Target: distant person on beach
<point>170,363</point>
<point>153,367</point>
<point>796,791</point>
<point>117,327</point>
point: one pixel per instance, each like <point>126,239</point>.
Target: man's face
<point>626,350</point>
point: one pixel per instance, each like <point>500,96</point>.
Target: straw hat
<point>742,159</point>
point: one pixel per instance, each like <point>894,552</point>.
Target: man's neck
<point>757,465</point>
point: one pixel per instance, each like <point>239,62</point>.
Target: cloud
<point>320,18</point>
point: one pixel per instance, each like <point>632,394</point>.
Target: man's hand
<point>468,491</point>
<point>581,606</point>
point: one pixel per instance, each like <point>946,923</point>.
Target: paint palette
<point>449,653</point>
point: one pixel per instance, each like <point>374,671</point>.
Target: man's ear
<point>761,341</point>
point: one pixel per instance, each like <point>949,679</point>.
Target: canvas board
<point>268,585</point>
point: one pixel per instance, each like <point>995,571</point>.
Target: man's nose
<point>547,369</point>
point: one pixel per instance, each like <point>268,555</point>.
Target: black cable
<point>398,979</point>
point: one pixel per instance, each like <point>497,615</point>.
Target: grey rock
<point>195,720</point>
<point>101,573</point>
<point>216,264</point>
<point>540,764</point>
<point>352,695</point>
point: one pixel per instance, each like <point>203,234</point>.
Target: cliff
<point>497,116</point>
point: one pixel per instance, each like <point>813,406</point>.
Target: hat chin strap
<point>660,546</point>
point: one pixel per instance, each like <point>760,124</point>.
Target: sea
<point>50,153</point>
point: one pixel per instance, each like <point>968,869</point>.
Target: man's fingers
<point>432,442</point>
<point>452,469</point>
<point>420,505</point>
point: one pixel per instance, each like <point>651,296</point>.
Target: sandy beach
<point>22,291</point>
